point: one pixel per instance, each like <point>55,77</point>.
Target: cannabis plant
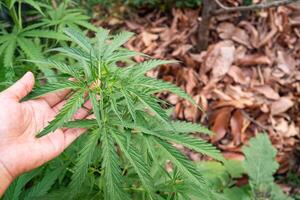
<point>29,30</point>
<point>131,132</point>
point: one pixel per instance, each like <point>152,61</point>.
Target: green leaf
<point>151,104</point>
<point>62,67</point>
<point>30,48</point>
<point>7,38</point>
<point>96,108</point>
<point>3,47</point>
<point>44,34</point>
<point>130,104</point>
<point>84,160</point>
<point>195,144</point>
<point>112,171</point>
<point>114,107</point>
<point>117,41</point>
<point>234,168</point>
<point>72,52</point>
<point>44,185</point>
<point>158,86</point>
<point>35,5</point>
<point>236,193</point>
<point>260,162</point>
<point>80,39</point>
<point>87,25</point>
<point>141,68</point>
<point>137,162</point>
<point>83,123</point>
<point>12,2</point>
<point>277,193</point>
<point>214,173</point>
<point>183,164</point>
<point>65,114</point>
<point>123,55</point>
<point>188,127</point>
<point>9,53</point>
<point>101,44</point>
<point>53,87</point>
<point>15,189</point>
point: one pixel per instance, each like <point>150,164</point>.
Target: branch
<point>226,9</point>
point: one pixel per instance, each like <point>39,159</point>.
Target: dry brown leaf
<point>183,49</point>
<point>285,62</point>
<point>237,124</point>
<point>281,105</point>
<point>241,36</point>
<point>132,25</point>
<point>267,91</point>
<point>238,104</point>
<point>292,131</point>
<point>237,75</point>
<point>237,92</point>
<point>219,57</point>
<point>281,125</point>
<point>229,31</point>
<point>254,35</point>
<point>148,38</point>
<point>197,57</point>
<point>221,122</point>
<point>254,59</point>
<point>191,80</point>
<point>225,30</point>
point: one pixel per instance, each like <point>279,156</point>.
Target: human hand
<point>20,150</point>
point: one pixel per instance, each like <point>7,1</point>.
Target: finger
<point>55,98</point>
<point>72,134</point>
<point>84,111</point>
<point>55,143</point>
<point>21,88</point>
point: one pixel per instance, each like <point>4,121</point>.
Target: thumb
<point>21,88</point>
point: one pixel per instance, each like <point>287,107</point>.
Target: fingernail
<point>28,74</point>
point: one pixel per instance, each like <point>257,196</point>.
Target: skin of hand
<point>20,149</point>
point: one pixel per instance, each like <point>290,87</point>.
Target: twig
<point>203,29</point>
<point>226,9</point>
<point>254,121</point>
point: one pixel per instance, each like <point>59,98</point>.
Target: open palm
<point>20,150</point>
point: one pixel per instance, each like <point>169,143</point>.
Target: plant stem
<point>14,16</point>
<point>20,14</point>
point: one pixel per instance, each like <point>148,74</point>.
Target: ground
<point>247,81</point>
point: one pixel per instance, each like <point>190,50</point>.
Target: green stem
<point>14,16</point>
<point>20,14</point>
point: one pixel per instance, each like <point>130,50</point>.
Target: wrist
<point>5,178</point>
